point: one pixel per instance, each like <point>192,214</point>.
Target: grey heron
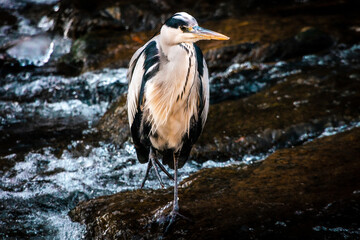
<point>168,96</point>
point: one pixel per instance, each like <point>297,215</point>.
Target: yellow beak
<point>205,34</point>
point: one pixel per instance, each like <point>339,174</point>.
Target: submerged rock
<point>303,192</point>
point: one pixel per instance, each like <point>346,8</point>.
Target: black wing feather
<point>140,129</point>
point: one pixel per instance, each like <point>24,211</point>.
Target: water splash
<point>345,233</point>
<point>29,43</point>
<point>11,4</point>
<point>243,79</point>
<point>45,185</point>
<point>45,23</point>
<point>32,50</point>
<point>37,50</point>
<point>59,101</point>
<point>329,131</point>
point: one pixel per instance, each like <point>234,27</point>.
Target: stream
<point>47,164</point>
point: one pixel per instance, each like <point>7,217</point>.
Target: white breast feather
<point>170,117</point>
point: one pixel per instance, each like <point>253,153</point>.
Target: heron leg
<point>153,161</point>
<point>175,210</point>
<point>163,169</point>
<point>147,173</point>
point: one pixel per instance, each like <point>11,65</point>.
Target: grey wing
<point>139,73</point>
<point>134,76</point>
<point>133,61</point>
<point>142,60</point>
<point>204,91</point>
<point>205,94</point>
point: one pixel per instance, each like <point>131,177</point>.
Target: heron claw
<point>171,219</point>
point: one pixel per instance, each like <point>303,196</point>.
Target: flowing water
<point>40,186</point>
<point>241,80</point>
<point>40,181</point>
<point>39,190</point>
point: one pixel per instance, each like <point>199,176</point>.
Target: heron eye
<point>183,28</point>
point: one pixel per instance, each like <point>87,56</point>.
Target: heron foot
<point>171,219</point>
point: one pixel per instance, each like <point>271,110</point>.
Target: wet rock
<point>309,41</point>
<point>86,16</point>
<point>140,16</point>
<point>114,126</point>
<point>304,192</point>
<point>242,80</point>
<point>81,17</point>
<point>284,32</point>
<point>97,50</point>
<point>299,108</point>
<point>220,58</point>
<point>6,19</point>
<point>258,37</point>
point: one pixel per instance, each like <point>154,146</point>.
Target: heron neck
<point>170,50</point>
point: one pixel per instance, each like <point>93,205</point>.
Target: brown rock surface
<point>114,126</point>
<point>299,193</point>
<point>273,32</point>
<point>304,104</point>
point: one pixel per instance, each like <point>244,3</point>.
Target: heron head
<point>183,28</point>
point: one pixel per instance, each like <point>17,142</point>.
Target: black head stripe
<point>175,22</point>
